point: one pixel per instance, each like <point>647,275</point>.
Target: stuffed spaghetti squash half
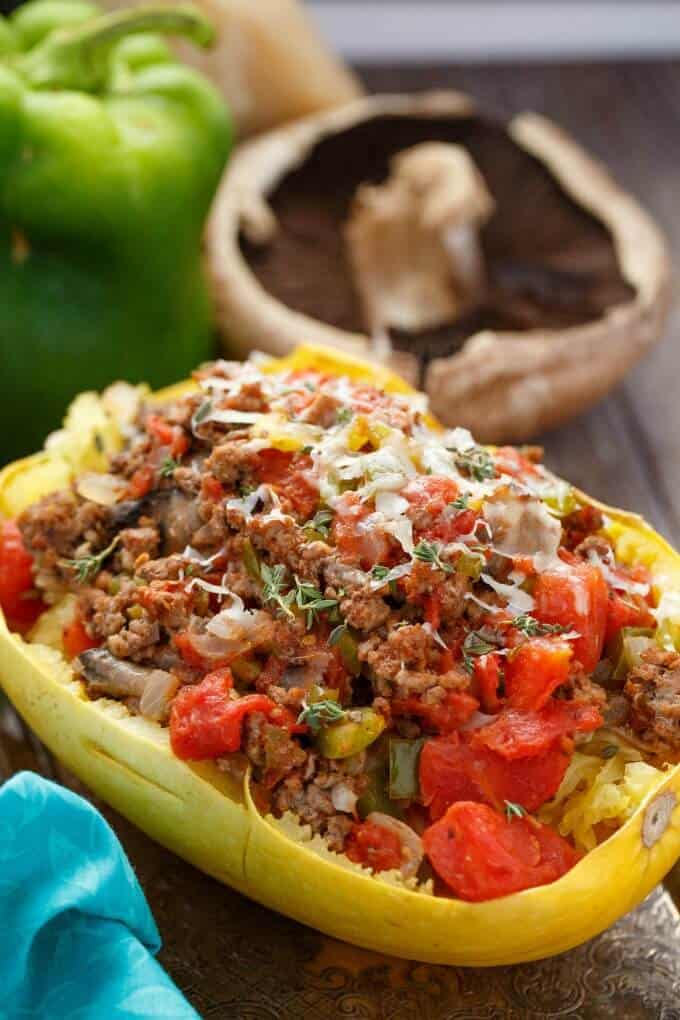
<point>417,693</point>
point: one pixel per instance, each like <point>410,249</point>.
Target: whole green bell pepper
<point>110,153</point>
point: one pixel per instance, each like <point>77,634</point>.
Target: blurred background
<point>489,30</point>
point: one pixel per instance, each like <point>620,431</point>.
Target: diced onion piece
<point>105,490</point>
<point>344,798</point>
<point>411,843</point>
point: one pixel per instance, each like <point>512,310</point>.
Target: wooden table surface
<point>235,959</point>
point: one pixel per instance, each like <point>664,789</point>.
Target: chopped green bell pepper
<point>110,153</point>
<point>357,732</point>
<point>403,768</point>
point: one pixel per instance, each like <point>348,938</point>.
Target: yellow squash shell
<point>202,815</point>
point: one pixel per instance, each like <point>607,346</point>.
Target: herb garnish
<point>461,502</point>
<point>168,467</point>
<point>344,415</point>
<point>85,567</point>
<point>379,572</point>
<point>476,462</point>
<point>310,600</point>
<point>475,644</point>
<point>321,522</point>
<point>272,587</point>
<point>513,810</point>
<point>428,552</point>
<point>203,411</point>
<point>321,713</point>
<point>533,628</point>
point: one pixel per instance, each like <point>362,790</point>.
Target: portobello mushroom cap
<point>576,274</point>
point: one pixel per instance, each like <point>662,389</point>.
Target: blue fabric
<point>77,937</point>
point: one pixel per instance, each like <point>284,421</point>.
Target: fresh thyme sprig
<point>321,522</point>
<point>273,579</point>
<point>86,567</point>
<point>513,810</point>
<point>475,644</point>
<point>344,415</point>
<point>461,502</point>
<point>476,462</point>
<point>428,552</point>
<point>534,628</point>
<point>168,466</point>
<point>321,713</point>
<point>310,600</point>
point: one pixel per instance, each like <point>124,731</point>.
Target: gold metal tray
<point>234,959</point>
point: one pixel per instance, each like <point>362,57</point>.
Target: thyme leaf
<point>321,713</point>
<point>168,467</point>
<point>513,810</point>
<point>86,567</point>
<point>476,463</point>
<point>533,628</point>
<point>273,579</point>
<point>429,552</point>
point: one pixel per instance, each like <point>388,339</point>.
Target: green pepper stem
<point>77,58</point>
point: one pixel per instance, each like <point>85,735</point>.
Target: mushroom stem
<point>413,242</point>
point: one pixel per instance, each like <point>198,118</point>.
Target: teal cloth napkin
<point>77,937</point>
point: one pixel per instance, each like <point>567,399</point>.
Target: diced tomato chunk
<point>487,675</point>
<point>443,717</point>
<point>205,722</point>
<point>374,846</point>
<point>516,734</point>
<point>482,855</point>
<point>288,472</point>
<point>367,545</point>
<point>575,597</point>
<point>626,611</point>
<point>534,670</point>
<point>16,580</point>
<point>75,638</point>
<point>510,461</point>
<point>430,497</point>
<point>211,489</point>
<point>432,606</point>
<point>452,769</point>
<point>172,436</point>
<point>141,483</point>
<point>194,657</point>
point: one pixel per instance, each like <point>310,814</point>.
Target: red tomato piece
<point>510,461</point>
<point>576,598</point>
<point>193,656</point>
<point>444,717</point>
<point>487,674</point>
<point>368,546</point>
<point>211,489</point>
<point>374,846</point>
<point>205,722</point>
<point>16,580</point>
<point>626,611</point>
<point>534,670</point>
<point>432,605</point>
<point>167,435</point>
<point>431,493</point>
<point>529,734</point>
<point>482,855</point>
<point>288,472</point>
<point>76,639</point>
<point>451,770</point>
<point>141,483</point>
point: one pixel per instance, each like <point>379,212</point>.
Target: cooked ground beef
<point>653,690</point>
